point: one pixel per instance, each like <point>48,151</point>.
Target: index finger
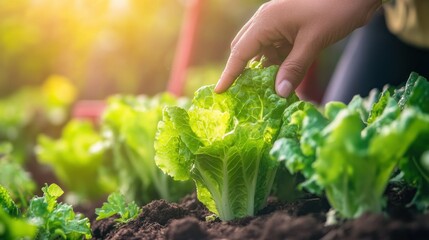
<point>245,49</point>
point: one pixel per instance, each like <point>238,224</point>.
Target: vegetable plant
<point>350,151</point>
<point>117,205</point>
<point>40,107</point>
<point>415,165</point>
<point>6,203</point>
<point>45,218</point>
<point>129,126</point>
<point>77,158</point>
<point>12,227</point>
<point>56,220</point>
<point>15,178</point>
<point>222,142</point>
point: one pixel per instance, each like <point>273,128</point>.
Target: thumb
<point>294,67</point>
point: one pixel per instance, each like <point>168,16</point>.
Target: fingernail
<point>284,88</point>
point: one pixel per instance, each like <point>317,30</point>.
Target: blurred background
<point>114,46</point>
<point>110,46</point>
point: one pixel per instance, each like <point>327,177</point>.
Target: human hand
<point>291,33</point>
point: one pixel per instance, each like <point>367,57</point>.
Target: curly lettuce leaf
<point>117,205</point>
<point>6,202</point>
<point>222,142</point>
<point>298,150</point>
<point>347,152</point>
<point>56,220</point>
<point>14,178</point>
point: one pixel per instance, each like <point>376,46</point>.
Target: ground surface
<point>303,219</point>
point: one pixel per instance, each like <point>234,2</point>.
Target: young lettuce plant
<point>11,225</point>
<point>129,125</point>
<point>47,110</point>
<point>222,142</point>
<point>56,220</point>
<point>347,151</point>
<point>13,177</point>
<point>78,157</point>
<point>117,205</point>
<point>415,164</point>
<point>6,202</point>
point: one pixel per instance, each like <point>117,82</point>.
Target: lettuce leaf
<point>351,151</point>
<point>12,227</point>
<point>56,220</point>
<point>129,125</point>
<point>117,205</point>
<point>222,142</point>
<point>78,157</point>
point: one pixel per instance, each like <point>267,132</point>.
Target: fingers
<point>293,69</point>
<point>245,49</point>
<point>240,33</point>
<point>277,53</point>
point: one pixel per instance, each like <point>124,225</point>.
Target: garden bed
<point>303,219</point>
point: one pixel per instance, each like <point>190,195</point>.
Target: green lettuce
<point>222,142</point>
<point>350,151</point>
<point>45,218</point>
<point>27,111</point>
<point>129,126</point>
<point>11,225</point>
<point>56,220</point>
<point>117,205</point>
<point>13,177</point>
<point>6,202</point>
<point>78,157</point>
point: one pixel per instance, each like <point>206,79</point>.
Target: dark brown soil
<point>304,219</point>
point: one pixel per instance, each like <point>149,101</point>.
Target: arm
<point>291,33</point>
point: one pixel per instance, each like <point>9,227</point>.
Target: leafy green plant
<point>117,205</point>
<point>40,107</point>
<point>6,203</point>
<point>15,228</point>
<point>56,220</point>
<point>77,158</point>
<point>222,142</point>
<point>45,218</point>
<point>415,164</point>
<point>348,150</point>
<point>129,125</point>
<point>15,178</point>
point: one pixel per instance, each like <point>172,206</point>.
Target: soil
<point>303,219</point>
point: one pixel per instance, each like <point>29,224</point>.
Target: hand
<point>291,33</point>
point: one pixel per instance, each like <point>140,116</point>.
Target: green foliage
<point>222,143</point>
<point>39,107</point>
<point>77,158</point>
<point>11,226</point>
<point>15,178</point>
<point>295,133</point>
<point>117,205</point>
<point>351,151</point>
<point>56,220</point>
<point>45,218</point>
<point>6,202</point>
<point>129,125</point>
<point>15,228</point>
<point>414,165</point>
<point>14,124</point>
